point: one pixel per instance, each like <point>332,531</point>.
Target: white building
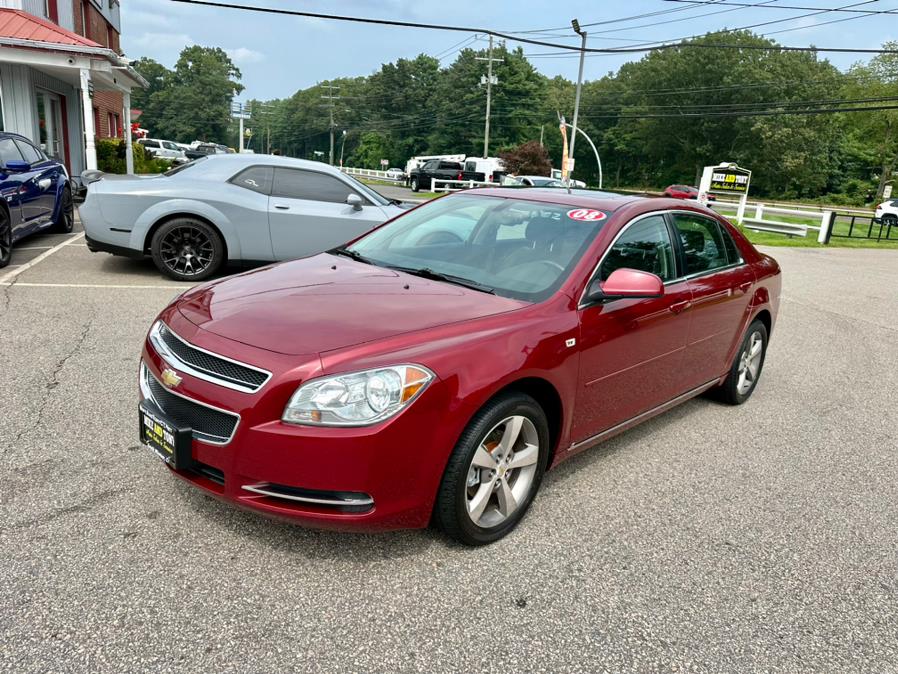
<point>63,80</point>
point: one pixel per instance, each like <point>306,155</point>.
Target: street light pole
<point>342,145</point>
<point>582,33</point>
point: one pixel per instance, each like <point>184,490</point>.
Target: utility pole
<point>582,33</point>
<point>331,98</point>
<point>489,81</point>
<point>241,112</point>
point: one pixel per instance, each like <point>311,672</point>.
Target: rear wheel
<point>5,238</point>
<point>65,221</point>
<point>495,471</point>
<point>890,220</point>
<point>186,249</point>
<point>746,368</point>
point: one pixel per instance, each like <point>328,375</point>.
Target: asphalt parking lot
<point>710,539</point>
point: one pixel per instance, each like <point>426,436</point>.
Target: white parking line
<point>4,280</point>
<point>91,285</point>
<point>18,248</point>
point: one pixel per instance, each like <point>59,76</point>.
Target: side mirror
<point>625,284</point>
<point>355,201</point>
<point>17,166</point>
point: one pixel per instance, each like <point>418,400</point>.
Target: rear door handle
<point>680,307</point>
<point>282,207</point>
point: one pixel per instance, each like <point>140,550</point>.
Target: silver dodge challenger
<point>245,208</point>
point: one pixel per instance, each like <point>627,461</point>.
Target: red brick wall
<point>97,28</point>
<point>106,102</point>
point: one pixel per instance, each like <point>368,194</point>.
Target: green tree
<point>529,158</point>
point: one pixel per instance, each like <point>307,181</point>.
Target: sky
<point>279,54</point>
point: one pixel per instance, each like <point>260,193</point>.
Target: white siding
<point>36,7</point>
<point>11,4</point>
<point>66,12</point>
<point>19,109</point>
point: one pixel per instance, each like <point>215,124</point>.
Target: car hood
<point>328,302</point>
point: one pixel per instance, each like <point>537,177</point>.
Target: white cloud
<point>175,41</point>
<point>244,55</point>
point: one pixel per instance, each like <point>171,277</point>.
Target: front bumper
<point>373,478</point>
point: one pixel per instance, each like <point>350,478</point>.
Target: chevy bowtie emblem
<point>170,378</point>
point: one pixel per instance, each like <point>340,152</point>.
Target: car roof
<point>603,201</point>
<point>13,134</point>
<point>236,161</point>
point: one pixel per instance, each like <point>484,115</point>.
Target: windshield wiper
<point>355,255</point>
<point>426,272</point>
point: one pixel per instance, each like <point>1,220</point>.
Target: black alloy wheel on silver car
<point>494,471</point>
<point>746,368</point>
<point>187,249</point>
<point>5,238</point>
<point>65,221</point>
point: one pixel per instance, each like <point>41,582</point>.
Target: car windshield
<point>512,247</point>
<point>376,197</point>
<point>183,167</point>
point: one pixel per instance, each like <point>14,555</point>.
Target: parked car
<point>539,181</point>
<point>887,213</point>
<point>439,169</point>
<point>204,150</point>
<point>395,173</point>
<point>36,193</point>
<point>556,174</point>
<point>401,380</point>
<point>164,149</point>
<point>228,208</point>
<point>684,192</point>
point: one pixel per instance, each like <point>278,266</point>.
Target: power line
<point>747,4</point>
<point>512,38</point>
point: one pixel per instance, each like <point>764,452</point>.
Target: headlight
<point>357,398</point>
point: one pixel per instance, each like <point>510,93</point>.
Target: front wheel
<point>65,221</point>
<point>414,184</point>
<point>187,249</point>
<point>746,368</point>
<point>5,238</point>
<point>495,471</point>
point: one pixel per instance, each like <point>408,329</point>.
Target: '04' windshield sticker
<point>586,215</point>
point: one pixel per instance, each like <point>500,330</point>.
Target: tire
<point>890,220</point>
<point>464,484</point>
<point>5,238</point>
<point>187,249</point>
<point>65,220</point>
<point>734,390</point>
<point>414,184</point>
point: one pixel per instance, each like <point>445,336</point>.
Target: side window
<point>255,178</point>
<point>29,152</point>
<point>450,166</point>
<point>9,151</point>
<point>644,246</point>
<point>310,185</point>
<point>702,243</point>
<point>170,146</point>
<point>431,165</point>
<point>733,256</point>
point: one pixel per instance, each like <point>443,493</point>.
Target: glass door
<point>49,114</point>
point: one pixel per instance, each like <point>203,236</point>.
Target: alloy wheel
<point>5,239</point>
<point>750,363</point>
<point>187,250</point>
<point>502,471</point>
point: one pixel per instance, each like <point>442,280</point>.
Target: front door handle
<point>680,307</point>
<point>282,207</point>
<point>745,287</point>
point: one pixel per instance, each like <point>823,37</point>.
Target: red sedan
<point>435,368</point>
<point>684,192</point>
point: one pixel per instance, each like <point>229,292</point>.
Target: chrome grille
<point>205,365</point>
<point>207,424</point>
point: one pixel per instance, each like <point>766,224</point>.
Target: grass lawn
<point>810,241</point>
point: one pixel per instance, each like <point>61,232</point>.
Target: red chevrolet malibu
<point>435,368</point>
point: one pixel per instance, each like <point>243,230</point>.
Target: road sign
<point>730,179</point>
<point>384,162</point>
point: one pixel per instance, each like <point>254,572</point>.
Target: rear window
<point>183,167</point>
<point>8,151</point>
<point>450,166</point>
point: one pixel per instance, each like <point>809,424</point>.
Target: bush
<point>111,157</point>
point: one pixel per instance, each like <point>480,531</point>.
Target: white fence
<point>371,173</point>
<point>760,222</point>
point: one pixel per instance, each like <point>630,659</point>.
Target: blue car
<point>35,190</point>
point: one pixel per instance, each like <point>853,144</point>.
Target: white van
<point>492,168</point>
